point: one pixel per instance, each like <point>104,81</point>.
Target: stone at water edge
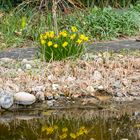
<point>6,99</point>
<point>24,98</point>
<point>40,96</point>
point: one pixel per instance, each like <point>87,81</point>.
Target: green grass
<point>12,34</point>
<point>106,23</point>
<point>99,23</point>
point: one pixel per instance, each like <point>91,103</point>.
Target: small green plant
<point>104,24</point>
<point>68,43</point>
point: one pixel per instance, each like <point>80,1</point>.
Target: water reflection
<point>68,125</point>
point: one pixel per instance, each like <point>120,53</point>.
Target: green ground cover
<point>22,27</point>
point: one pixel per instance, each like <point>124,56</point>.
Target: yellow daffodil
<point>58,36</point>
<point>63,136</point>
<point>49,130</point>
<point>83,37</point>
<point>79,133</point>
<point>43,42</point>
<point>55,127</point>
<point>73,136</point>
<point>23,22</point>
<point>74,29</point>
<point>83,130</point>
<point>65,129</point>
<point>55,45</point>
<point>63,33</point>
<point>65,44</point>
<point>72,36</point>
<point>43,128</point>
<point>50,43</point>
<point>86,39</point>
<point>51,34</point>
<point>41,36</point>
<point>79,41</point>
<point>46,35</point>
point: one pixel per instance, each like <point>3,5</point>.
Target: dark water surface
<point>68,124</point>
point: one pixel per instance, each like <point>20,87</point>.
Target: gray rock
<point>40,96</point>
<point>100,87</point>
<point>38,88</point>
<point>49,97</point>
<point>117,84</point>
<point>6,99</point>
<point>24,61</point>
<point>90,89</point>
<point>55,86</point>
<point>62,94</point>
<point>97,76</point>
<point>119,94</point>
<point>6,60</point>
<point>124,99</point>
<point>28,66</point>
<point>24,98</point>
<point>56,96</point>
<point>50,103</point>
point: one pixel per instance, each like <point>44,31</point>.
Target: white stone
<point>40,96</point>
<point>55,86</point>
<point>71,78</point>
<point>24,61</point>
<point>100,87</point>
<point>97,75</point>
<point>24,98</point>
<point>6,60</point>
<point>6,99</point>
<point>28,66</point>
<point>51,77</point>
<point>38,88</point>
<point>19,70</point>
<point>90,89</point>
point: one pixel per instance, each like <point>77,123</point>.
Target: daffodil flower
<point>50,43</point>
<point>74,29</point>
<point>65,129</point>
<point>72,36</point>
<point>63,136</point>
<point>65,44</point>
<point>79,41</point>
<point>55,45</point>
<point>43,42</point>
<point>72,135</point>
<point>51,34</point>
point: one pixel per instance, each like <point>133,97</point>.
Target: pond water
<point>122,123</point>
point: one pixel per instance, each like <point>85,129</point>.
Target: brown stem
<point>54,12</point>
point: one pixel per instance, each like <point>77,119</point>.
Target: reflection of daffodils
<point>49,130</point>
<point>73,136</point>
<point>63,136</point>
<point>65,129</point>
<point>82,131</point>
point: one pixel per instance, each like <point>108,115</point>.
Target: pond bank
<point>91,78</point>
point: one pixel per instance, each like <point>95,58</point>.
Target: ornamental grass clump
<point>67,44</point>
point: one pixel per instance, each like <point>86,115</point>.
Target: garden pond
<point>116,121</point>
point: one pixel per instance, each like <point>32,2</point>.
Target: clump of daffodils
<point>68,43</point>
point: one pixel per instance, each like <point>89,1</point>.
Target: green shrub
<point>64,45</point>
<point>104,24</point>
